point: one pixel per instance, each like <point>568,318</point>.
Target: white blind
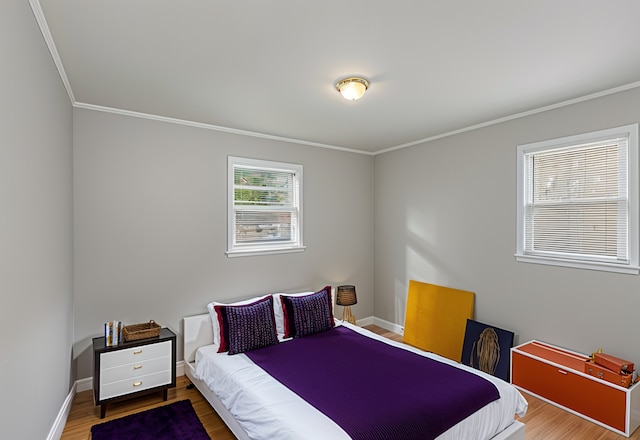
<point>265,205</point>
<point>577,203</point>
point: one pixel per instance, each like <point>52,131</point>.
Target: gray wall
<point>150,224</point>
<point>36,319</point>
<point>445,213</point>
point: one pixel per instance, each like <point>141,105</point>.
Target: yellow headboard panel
<point>436,318</point>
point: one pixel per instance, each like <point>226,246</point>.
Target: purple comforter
<point>374,390</point>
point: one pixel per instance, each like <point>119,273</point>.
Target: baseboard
<point>179,368</point>
<point>58,425</point>
<point>364,321</point>
<point>85,384</point>
<point>392,327</point>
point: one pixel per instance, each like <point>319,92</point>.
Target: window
<point>264,207</point>
<point>578,201</point>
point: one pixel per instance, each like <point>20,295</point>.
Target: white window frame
<point>235,249</point>
<point>567,260</point>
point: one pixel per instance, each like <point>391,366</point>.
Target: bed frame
<point>197,332</point>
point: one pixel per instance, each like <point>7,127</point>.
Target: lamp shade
<point>346,296</point>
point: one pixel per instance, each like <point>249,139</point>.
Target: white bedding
<point>266,409</point>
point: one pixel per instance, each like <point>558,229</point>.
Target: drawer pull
<point>137,384</point>
<point>137,367</point>
<point>137,352</point>
<point>562,372</point>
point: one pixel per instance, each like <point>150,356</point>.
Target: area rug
<point>176,421</point>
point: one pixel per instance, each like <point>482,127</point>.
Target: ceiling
<point>269,67</point>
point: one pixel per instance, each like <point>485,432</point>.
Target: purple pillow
<point>308,314</point>
<point>246,327</point>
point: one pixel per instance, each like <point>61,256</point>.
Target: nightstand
<point>133,368</point>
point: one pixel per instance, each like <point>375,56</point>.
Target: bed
<point>256,405</point>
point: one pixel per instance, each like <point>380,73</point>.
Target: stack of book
<point>113,333</point>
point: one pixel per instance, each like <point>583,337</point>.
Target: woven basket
<point>134,332</point>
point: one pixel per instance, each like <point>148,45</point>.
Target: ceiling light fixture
<point>352,88</point>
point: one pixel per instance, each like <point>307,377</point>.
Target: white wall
<point>150,224</point>
<point>35,230</point>
<point>445,213</point>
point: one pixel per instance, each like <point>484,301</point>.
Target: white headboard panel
<point>197,332</point>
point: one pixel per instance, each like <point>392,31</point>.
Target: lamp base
<point>348,316</point>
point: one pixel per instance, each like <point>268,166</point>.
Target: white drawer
<point>135,369</point>
<point>128,386</point>
<point>135,354</point>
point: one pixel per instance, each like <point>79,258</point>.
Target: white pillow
<point>214,317</point>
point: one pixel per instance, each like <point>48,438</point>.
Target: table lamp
<point>346,297</point>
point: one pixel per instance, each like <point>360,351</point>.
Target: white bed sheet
<point>266,409</point>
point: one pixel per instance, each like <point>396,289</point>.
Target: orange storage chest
<point>557,376</point>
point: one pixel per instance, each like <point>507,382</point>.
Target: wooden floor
<point>543,421</point>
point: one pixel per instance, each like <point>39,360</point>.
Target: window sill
<point>626,269</point>
<point>263,251</point>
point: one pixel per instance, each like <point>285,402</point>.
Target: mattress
<point>266,409</point>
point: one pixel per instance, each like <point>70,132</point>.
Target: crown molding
<point>516,116</point>
<point>212,127</point>
<point>48,38</point>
